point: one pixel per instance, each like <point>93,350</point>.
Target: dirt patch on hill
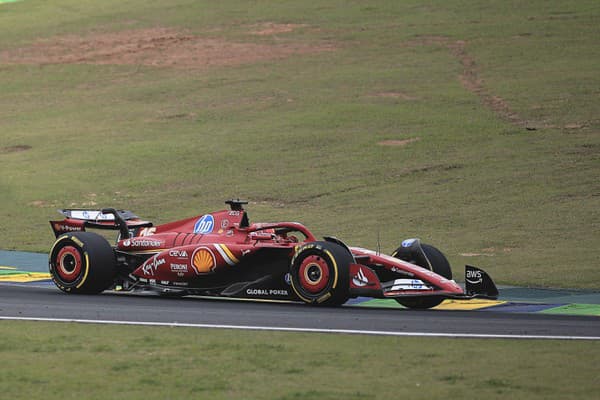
<point>272,28</point>
<point>401,142</point>
<point>158,47</point>
<point>14,149</point>
<point>470,78</point>
<point>394,95</point>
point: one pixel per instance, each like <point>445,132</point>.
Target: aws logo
<point>474,276</point>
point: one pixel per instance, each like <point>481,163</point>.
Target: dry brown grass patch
<point>399,142</point>
<point>470,78</point>
<point>272,28</point>
<point>14,149</point>
<point>158,47</point>
<point>394,95</point>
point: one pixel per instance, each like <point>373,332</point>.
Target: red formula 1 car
<point>223,254</point>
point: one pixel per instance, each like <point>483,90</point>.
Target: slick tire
<point>82,262</point>
<point>440,266</point>
<point>320,273</point>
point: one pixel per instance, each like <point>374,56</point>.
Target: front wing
<point>478,284</point>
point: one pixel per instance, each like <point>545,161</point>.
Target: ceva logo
<point>204,225</point>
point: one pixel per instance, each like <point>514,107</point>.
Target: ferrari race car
<point>222,254</point>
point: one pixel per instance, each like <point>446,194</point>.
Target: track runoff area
<point>30,269</point>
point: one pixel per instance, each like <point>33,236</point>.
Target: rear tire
<point>320,273</point>
<point>440,266</point>
<point>82,262</point>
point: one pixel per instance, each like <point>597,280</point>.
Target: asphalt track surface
<point>48,303</point>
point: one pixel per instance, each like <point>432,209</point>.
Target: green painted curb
<point>9,272</point>
<point>387,303</point>
<point>575,309</point>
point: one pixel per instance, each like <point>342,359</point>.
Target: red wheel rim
<point>314,274</point>
<point>68,263</point>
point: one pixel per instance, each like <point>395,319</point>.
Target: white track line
<point>306,330</point>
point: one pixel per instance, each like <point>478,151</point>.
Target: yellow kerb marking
<point>473,304</point>
<point>25,277</point>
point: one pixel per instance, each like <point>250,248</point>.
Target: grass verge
<point>58,361</point>
<point>491,110</point>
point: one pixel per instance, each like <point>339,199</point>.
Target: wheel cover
<point>68,263</point>
<point>313,274</point>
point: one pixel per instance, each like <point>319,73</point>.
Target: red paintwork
<point>222,246</point>
<point>318,283</point>
<point>369,280</point>
<point>69,272</point>
<point>67,225</point>
<point>446,286</point>
<point>189,250</point>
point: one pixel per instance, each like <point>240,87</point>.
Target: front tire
<point>440,266</point>
<point>82,262</point>
<point>320,273</point>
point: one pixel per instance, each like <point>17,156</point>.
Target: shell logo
<point>203,261</point>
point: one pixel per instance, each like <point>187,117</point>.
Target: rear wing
<point>77,219</point>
